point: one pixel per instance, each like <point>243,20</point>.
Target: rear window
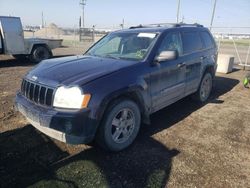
<point>191,42</point>
<point>207,39</point>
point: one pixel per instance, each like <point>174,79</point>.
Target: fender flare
<point>39,44</point>
<point>133,92</point>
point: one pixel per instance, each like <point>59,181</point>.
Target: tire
<point>205,88</point>
<point>120,126</point>
<point>40,53</point>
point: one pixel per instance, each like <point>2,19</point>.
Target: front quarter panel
<point>131,79</point>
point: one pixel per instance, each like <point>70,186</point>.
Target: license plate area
<point>32,115</point>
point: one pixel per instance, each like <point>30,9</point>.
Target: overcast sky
<point>109,13</point>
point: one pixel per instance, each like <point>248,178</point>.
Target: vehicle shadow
<point>59,56</point>
<point>30,158</point>
<point>11,62</point>
<point>25,156</point>
<point>183,108</point>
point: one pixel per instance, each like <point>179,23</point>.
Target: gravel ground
<point>186,145</point>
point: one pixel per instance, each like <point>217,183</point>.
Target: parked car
<point>106,94</point>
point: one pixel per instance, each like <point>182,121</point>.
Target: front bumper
<point>69,126</point>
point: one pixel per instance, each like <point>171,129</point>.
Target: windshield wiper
<point>128,58</point>
<point>91,54</point>
<point>110,56</point>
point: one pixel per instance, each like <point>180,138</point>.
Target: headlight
<point>70,97</point>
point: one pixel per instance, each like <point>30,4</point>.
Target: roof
<point>9,17</point>
<point>158,28</point>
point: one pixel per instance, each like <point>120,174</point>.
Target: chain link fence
<point>234,41</point>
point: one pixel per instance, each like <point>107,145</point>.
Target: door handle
<point>203,57</point>
<point>181,65</point>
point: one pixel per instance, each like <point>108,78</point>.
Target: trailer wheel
<point>40,53</point>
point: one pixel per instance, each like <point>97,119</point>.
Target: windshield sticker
<point>148,35</point>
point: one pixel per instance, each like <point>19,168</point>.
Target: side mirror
<point>166,56</point>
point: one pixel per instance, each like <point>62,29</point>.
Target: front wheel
<point>120,125</point>
<point>205,88</point>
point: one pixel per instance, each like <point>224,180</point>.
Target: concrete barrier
<point>225,63</point>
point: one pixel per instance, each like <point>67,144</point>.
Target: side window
<point>207,39</point>
<point>191,42</point>
<point>171,41</point>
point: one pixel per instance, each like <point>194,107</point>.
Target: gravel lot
<point>186,145</point>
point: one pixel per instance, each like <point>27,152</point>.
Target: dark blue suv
<point>105,94</point>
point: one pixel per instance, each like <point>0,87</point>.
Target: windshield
<point>129,46</point>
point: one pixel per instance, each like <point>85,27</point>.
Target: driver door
<point>168,78</point>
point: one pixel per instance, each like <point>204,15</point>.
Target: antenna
<point>83,3</point>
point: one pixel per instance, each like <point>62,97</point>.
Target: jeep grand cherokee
<point>105,94</point>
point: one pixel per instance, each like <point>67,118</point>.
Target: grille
<point>37,93</point>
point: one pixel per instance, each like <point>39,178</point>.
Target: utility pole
<point>42,21</point>
<point>122,24</point>
<point>178,11</point>
<point>83,3</point>
<point>212,19</point>
<point>182,21</point>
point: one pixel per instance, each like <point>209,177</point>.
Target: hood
<point>74,70</point>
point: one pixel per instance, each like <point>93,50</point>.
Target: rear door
<point>210,52</point>
<point>12,33</point>
<point>193,54</point>
<point>168,78</point>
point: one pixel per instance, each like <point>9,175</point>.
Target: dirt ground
<point>186,145</point>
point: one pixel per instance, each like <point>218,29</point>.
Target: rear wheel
<point>40,53</point>
<point>205,88</point>
<point>120,125</point>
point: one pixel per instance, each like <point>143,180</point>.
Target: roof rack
<point>188,25</point>
<point>166,25</point>
<point>153,25</point>
<point>138,26</point>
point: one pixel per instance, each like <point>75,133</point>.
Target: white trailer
<point>12,41</point>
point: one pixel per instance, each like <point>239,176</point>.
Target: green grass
<point>85,173</point>
<point>93,168</point>
<point>242,42</point>
<point>72,43</point>
<point>82,173</point>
